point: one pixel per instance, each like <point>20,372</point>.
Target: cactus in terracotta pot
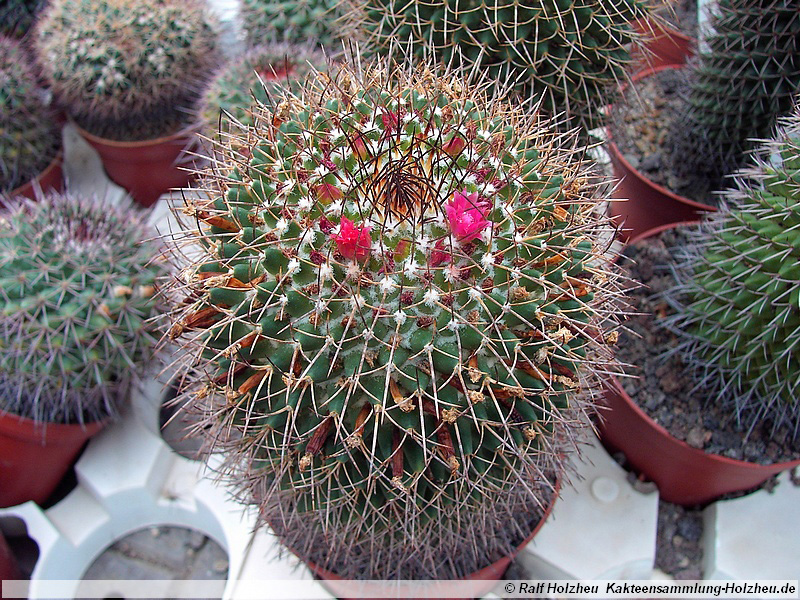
<point>397,322</point>
<point>738,288</point>
<point>30,138</point>
<point>77,284</point>
<point>126,69</point>
<point>257,77</point>
<point>572,53</point>
<point>738,88</point>
<point>294,21</point>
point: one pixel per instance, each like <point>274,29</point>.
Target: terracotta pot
<point>8,564</point>
<point>490,573</point>
<point>146,168</point>
<point>647,205</point>
<point>35,457</point>
<point>664,46</point>
<point>51,178</point>
<point>684,475</point>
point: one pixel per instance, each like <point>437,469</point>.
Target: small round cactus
<point>17,16</point>
<point>257,77</point>
<point>29,135</point>
<point>295,21</point>
<point>126,69</point>
<point>572,53</point>
<point>77,288</point>
<point>398,321</point>
<point>738,293</point>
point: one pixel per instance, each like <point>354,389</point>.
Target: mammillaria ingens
<point>398,323</point>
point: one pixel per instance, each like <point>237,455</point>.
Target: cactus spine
<point>572,53</point>
<point>17,16</point>
<point>738,293</point>
<point>738,88</point>
<point>126,69</point>
<point>29,135</point>
<point>77,290</point>
<point>396,324</point>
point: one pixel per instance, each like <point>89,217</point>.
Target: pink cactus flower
<point>353,241</point>
<point>467,216</point>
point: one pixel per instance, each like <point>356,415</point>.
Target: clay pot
<point>8,564</point>
<point>148,168</point>
<point>664,46</point>
<point>34,457</point>
<point>484,579</point>
<point>647,205</point>
<point>50,179</point>
<point>684,475</point>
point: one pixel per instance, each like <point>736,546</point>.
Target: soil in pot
<point>665,389</point>
<point>640,124</point>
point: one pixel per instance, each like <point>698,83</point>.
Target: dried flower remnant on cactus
<point>380,396</point>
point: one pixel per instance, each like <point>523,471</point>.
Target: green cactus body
<point>398,316</point>
<point>126,69</point>
<point>257,77</point>
<point>77,289</point>
<point>293,21</point>
<point>17,16</point>
<point>738,88</point>
<point>571,53</point>
<point>29,135</point>
<point>739,290</point>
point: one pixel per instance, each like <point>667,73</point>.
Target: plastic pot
<point>34,457</point>
<point>52,178</point>
<point>664,46</point>
<point>684,475</point>
<point>147,168</point>
<point>647,205</point>
<point>485,579</point>
<point>8,564</point>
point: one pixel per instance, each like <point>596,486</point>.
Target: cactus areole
<point>396,321</point>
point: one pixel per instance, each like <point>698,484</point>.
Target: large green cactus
<point>739,289</point>
<point>738,88</point>
<point>29,135</point>
<point>257,77</point>
<point>77,288</point>
<point>398,319</point>
<point>573,53</point>
<point>294,21</point>
<point>126,69</point>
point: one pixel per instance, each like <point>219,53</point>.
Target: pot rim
<point>185,132</point>
<point>56,163</point>
<point>612,147</point>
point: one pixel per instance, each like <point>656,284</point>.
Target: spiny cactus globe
<point>29,135</point>
<point>295,21</point>
<point>257,77</point>
<point>573,53</point>
<point>738,88</point>
<point>17,16</point>
<point>739,289</point>
<point>76,290</point>
<point>126,69</point>
<point>397,321</point>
